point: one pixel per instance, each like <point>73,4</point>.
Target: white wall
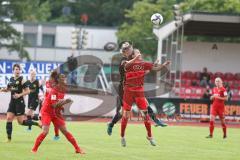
<point>96,39</point>
<point>197,55</point>
<point>63,36</point>
<point>56,55</point>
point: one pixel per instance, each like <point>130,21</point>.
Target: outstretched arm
<point>158,67</point>
<point>4,89</point>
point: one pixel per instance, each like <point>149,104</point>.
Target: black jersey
<point>16,86</point>
<point>122,70</point>
<point>34,88</point>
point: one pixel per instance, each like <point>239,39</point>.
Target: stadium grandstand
<point>190,57</point>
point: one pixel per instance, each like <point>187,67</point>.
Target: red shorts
<point>134,95</point>
<point>48,118</point>
<point>217,111</point>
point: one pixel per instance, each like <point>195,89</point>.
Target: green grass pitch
<point>174,143</point>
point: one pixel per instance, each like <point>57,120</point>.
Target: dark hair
<point>53,74</point>
<point>16,65</point>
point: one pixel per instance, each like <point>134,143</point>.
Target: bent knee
<point>126,114</point>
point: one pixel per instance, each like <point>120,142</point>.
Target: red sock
<point>56,130</point>
<point>148,126</point>
<point>123,126</point>
<point>211,128</point>
<point>38,141</point>
<point>224,127</point>
<point>72,140</point>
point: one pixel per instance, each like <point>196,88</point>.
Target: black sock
<point>115,119</point>
<point>29,123</point>
<point>29,118</point>
<point>151,114</point>
<point>9,129</point>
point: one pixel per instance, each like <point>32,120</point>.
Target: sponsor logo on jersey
<point>53,97</point>
<point>138,67</point>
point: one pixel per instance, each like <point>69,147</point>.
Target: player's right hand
<point>138,56</point>
<point>166,63</point>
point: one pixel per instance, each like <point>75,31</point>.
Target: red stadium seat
<point>177,84</point>
<point>219,74</point>
<point>228,76</point>
<point>186,83</point>
<point>237,76</point>
<point>211,74</point>
<point>183,75</point>
<point>188,92</point>
<point>230,83</point>
<point>236,84</point>
<point>236,94</point>
<point>197,75</point>
<point>199,91</point>
<point>187,75</point>
<point>182,92</point>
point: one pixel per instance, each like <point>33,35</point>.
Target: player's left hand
<point>157,61</point>
<point>16,96</point>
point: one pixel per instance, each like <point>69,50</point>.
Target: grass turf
<point>174,143</point>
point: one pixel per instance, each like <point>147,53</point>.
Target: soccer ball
<point>156,18</point>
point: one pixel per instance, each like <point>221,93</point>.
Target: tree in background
<point>131,16</point>
<point>100,12</point>
<point>11,39</point>
<point>30,10</point>
<point>24,11</point>
<point>214,6</point>
<point>138,27</point>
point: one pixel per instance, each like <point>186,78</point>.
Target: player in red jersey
<point>218,97</point>
<point>49,84</point>
<point>55,99</point>
<point>134,92</point>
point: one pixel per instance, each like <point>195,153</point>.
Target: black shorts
<point>119,103</point>
<point>33,103</point>
<point>17,107</point>
<point>119,98</point>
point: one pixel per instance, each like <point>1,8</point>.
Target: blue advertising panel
<point>43,69</point>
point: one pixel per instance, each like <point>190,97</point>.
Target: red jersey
<point>53,96</point>
<point>219,92</point>
<point>135,73</point>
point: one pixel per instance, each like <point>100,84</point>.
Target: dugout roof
<point>205,24</point>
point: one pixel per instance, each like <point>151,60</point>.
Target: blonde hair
<point>33,71</point>
<point>218,79</point>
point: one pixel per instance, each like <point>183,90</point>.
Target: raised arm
<point>6,89</point>
<point>127,63</point>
